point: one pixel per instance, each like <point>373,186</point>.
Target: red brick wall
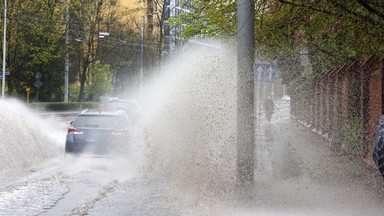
<point>322,105</point>
<point>328,104</point>
<point>344,97</point>
<point>352,91</point>
<point>374,106</point>
<point>371,102</point>
<point>316,102</point>
<point>334,103</point>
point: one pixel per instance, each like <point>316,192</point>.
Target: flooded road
<point>182,159</point>
<point>296,174</point>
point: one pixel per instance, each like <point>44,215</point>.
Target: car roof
<point>116,99</point>
<point>89,112</point>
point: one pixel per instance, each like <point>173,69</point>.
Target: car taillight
<point>73,130</point>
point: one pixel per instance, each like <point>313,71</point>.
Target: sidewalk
<point>335,144</point>
<point>297,173</point>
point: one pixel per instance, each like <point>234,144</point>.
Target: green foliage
<point>32,42</point>
<point>209,18</point>
<point>64,106</point>
<point>351,136</point>
<point>36,43</point>
<point>98,84</point>
<point>334,32</point>
<point>300,86</point>
<point>99,81</point>
<point>73,91</point>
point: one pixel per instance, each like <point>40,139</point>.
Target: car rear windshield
<point>100,121</point>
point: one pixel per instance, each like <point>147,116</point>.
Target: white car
<point>286,99</point>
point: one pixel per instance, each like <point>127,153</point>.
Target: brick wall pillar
<point>371,106</point>
<point>312,102</point>
<point>322,105</point>
<point>327,101</point>
<point>317,103</point>
<point>381,62</point>
<point>354,91</point>
<point>332,103</point>
<point>341,97</point>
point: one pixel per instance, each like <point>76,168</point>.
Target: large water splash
<point>26,139</point>
<point>189,124</point>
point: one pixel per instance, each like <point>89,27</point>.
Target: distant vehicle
<point>130,107</point>
<point>286,98</point>
<point>94,132</point>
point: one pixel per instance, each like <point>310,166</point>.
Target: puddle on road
<point>101,169</point>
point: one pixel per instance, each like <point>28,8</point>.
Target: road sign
<point>28,91</point>
<point>103,34</point>
<point>38,84</point>
<point>7,73</point>
<point>38,75</point>
<point>264,72</point>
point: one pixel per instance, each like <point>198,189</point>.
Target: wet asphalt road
<point>296,174</point>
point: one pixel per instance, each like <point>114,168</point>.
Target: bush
<point>64,106</point>
<point>351,137</point>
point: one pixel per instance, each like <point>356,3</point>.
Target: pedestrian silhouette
<point>269,107</point>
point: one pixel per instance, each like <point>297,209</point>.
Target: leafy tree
<point>36,43</point>
<point>33,38</point>
<point>99,82</point>
<point>334,32</point>
<point>85,19</point>
<point>120,50</point>
<point>209,18</point>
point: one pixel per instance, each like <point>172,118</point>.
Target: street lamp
<point>66,68</point>
<point>4,47</point>
<point>142,57</point>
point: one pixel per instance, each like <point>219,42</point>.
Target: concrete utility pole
<point>66,69</point>
<point>4,49</point>
<point>142,58</point>
<point>245,93</point>
<point>167,31</point>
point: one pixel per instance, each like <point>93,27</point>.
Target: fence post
<point>368,121</point>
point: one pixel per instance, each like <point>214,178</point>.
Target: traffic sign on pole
<point>38,84</point>
<point>264,72</point>
<point>28,91</point>
<point>7,73</point>
<point>38,75</point>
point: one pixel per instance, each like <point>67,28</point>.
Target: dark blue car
<point>98,133</point>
